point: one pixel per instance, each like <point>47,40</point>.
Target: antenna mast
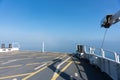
<point>43,47</point>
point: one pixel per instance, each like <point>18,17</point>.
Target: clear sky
<point>61,24</point>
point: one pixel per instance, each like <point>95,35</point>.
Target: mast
<point>43,47</point>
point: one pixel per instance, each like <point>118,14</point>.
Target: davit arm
<point>110,19</point>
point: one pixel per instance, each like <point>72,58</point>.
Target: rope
<point>104,37</point>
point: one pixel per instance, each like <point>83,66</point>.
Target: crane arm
<point>110,19</point>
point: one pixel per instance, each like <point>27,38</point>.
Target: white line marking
<point>71,77</point>
<point>58,66</point>
<point>38,57</point>
<point>76,74</point>
<point>40,66</point>
<point>62,57</point>
<point>48,62</point>
<point>23,59</point>
<point>14,79</point>
<point>8,61</point>
<point>56,58</point>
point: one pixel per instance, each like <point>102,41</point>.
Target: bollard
<point>80,48</point>
<point>10,45</point>
<point>3,45</point>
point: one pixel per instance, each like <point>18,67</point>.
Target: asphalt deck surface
<point>29,65</point>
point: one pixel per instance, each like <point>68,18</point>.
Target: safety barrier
<point>107,61</point>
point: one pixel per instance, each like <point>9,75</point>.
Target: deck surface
<point>28,65</point>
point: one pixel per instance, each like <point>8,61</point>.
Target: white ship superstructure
<point>10,47</point>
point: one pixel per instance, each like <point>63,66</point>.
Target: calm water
<point>70,47</point>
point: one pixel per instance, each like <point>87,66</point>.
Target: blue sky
<point>61,24</point>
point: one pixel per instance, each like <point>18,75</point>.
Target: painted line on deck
<point>10,61</point>
<point>56,75</point>
<point>43,57</point>
<point>38,57</point>
<point>32,64</point>
<point>13,76</point>
<point>56,57</point>
<point>10,66</point>
<point>40,66</point>
<point>63,62</point>
<point>23,59</point>
<point>63,57</point>
<point>32,74</point>
<point>58,66</point>
<point>77,62</point>
<point>14,79</point>
<point>13,66</point>
<point>76,74</point>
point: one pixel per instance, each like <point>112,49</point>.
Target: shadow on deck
<point>92,72</point>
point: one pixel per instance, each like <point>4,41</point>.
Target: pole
<point>43,47</point>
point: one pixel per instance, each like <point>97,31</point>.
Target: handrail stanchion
<point>91,50</point>
<point>116,57</point>
<point>103,53</point>
<point>85,49</point>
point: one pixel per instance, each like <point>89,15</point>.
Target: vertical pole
<point>103,53</point>
<point>85,49</point>
<point>116,57</point>
<point>43,47</point>
<point>92,50</point>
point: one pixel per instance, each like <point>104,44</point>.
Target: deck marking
<point>63,62</point>
<point>58,66</point>
<point>71,77</point>
<point>23,59</point>
<point>78,62</point>
<point>32,64</point>
<point>56,57</point>
<point>10,61</point>
<point>76,74</point>
<point>44,57</point>
<point>38,57</point>
<point>40,66</point>
<point>62,57</point>
<point>56,75</point>
<point>12,76</point>
<point>32,74</point>
<point>10,66</point>
<point>14,79</point>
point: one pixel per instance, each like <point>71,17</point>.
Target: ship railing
<point>107,61</point>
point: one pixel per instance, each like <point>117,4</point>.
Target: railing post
<point>92,50</point>
<point>103,53</point>
<point>116,56</point>
<point>85,49</point>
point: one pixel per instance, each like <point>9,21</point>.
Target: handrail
<point>106,64</point>
<point>103,53</point>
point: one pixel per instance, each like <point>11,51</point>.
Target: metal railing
<point>107,61</point>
